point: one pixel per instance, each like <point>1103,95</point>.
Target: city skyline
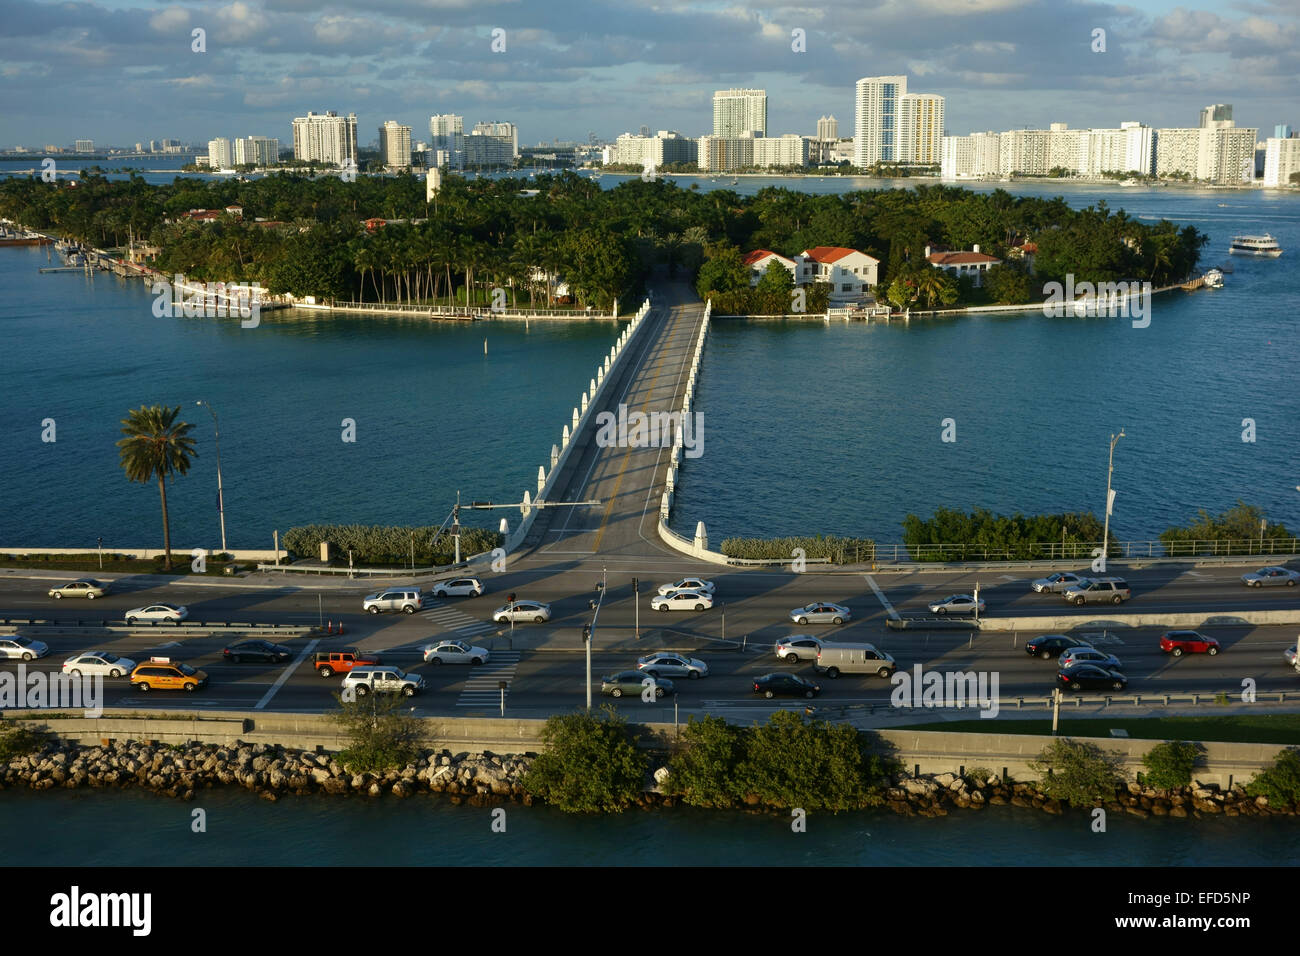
<point>591,67</point>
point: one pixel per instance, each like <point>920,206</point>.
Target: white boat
<point>1214,279</point>
<point>1264,245</point>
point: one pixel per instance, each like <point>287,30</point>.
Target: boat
<point>1264,245</point>
<point>1214,279</point>
<point>1223,205</point>
<point>735,182</point>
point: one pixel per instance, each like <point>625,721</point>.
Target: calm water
<point>246,831</point>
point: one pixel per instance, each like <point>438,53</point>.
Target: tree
<point>381,731</point>
<point>772,294</point>
<point>704,774</point>
<point>1170,763</point>
<point>902,292</point>
<point>156,445</point>
<point>1077,772</point>
<point>1280,783</point>
<point>1007,285</point>
<point>591,764</point>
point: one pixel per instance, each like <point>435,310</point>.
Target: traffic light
<point>635,586</point>
<point>586,633</point>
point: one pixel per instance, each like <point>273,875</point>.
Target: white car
<point>668,664</point>
<point>99,662</point>
<point>22,648</point>
<point>169,613</point>
<point>682,601</point>
<point>688,584</point>
<point>534,611</point>
<point>458,587</point>
<point>798,647</point>
<point>453,652</point>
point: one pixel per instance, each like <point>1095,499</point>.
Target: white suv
<point>382,680</point>
<point>409,600</point>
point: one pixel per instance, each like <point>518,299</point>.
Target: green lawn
<point>1257,729</point>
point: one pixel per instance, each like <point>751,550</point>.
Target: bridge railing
<point>1084,550</point>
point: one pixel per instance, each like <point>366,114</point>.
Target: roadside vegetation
<point>381,730</point>
<point>88,561</point>
<point>1280,783</point>
<point>1225,728</point>
<point>591,764</point>
<point>1078,773</point>
<point>838,550</point>
<point>982,535</point>
<point>1243,526</point>
<point>20,739</point>
<point>1169,764</point>
<point>390,544</point>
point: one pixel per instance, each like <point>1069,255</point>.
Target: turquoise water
<point>243,830</point>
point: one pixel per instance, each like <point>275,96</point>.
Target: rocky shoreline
<point>480,779</point>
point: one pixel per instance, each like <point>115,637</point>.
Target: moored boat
<point>1214,279</point>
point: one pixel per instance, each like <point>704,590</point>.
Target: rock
<point>1053,807</point>
<point>944,780</point>
<point>1137,812</point>
<point>320,775</point>
<point>402,789</point>
<point>1179,811</point>
<point>1159,809</point>
<point>375,789</point>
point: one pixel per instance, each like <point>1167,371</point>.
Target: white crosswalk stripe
<point>456,623</point>
<point>481,689</point>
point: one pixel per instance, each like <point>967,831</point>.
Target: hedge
<point>838,550</point>
<point>390,543</point>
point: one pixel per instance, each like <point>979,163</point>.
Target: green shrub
<point>19,740</point>
<point>983,535</point>
<point>390,543</point>
<point>705,773</point>
<point>381,732</point>
<point>838,550</point>
<point>591,764</point>
<point>1280,783</point>
<point>978,774</point>
<point>1169,764</point>
<point>1077,772</point>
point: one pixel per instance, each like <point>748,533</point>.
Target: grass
<point>1246,729</point>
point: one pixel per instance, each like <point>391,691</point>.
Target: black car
<point>257,651</point>
<point>1091,677</point>
<point>789,685</point>
<point>1051,646</point>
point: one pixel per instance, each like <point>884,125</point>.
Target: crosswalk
<point>481,688</point>
<point>455,623</point>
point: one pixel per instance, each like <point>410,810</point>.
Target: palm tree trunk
<point>167,534</point>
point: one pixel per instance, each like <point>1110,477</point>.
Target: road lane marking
<point>288,672</point>
<point>482,688</point>
<point>889,608</point>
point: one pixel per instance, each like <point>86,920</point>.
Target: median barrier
<point>1204,619</point>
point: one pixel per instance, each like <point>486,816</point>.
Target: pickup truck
<point>329,663</point>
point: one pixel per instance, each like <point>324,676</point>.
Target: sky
<point>126,71</point>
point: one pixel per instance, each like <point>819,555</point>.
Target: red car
<point>1179,643</point>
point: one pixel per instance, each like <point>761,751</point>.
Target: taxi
<point>163,673</point>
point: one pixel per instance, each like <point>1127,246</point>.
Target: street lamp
<point>1110,500</point>
<point>221,504</point>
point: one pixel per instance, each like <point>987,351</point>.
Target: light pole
<point>100,546</point>
<point>589,630</point>
<point>1110,498</point>
<point>221,504</point>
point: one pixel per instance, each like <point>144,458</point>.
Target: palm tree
<point>156,446</point>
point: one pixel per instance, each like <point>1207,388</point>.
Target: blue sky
<point>121,71</point>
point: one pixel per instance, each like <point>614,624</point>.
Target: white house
<point>851,274</point>
<point>760,259</point>
<point>958,264</point>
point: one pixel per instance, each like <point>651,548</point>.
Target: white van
<point>836,659</point>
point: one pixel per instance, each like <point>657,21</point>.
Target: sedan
<point>453,652</point>
<point>1269,576</point>
<point>787,685</point>
<point>688,584</point>
<point>1089,655</point>
<point>158,612</point>
<point>1057,582</point>
<point>22,648</point>
<point>88,588</point>
<point>1052,645</point>
<point>634,683</point>
<point>1289,656</point>
<point>797,647</point>
<point>821,612</point>
<point>256,650</point>
<point>1091,677</point>
<point>681,601</point>
<point>460,587</point>
<point>98,662</point>
<point>534,611</point>
<point>956,604</point>
<point>674,665</point>
<point>1179,643</point>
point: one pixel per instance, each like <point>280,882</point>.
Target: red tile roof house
<point>958,264</point>
<point>760,259</point>
<point>851,274</point>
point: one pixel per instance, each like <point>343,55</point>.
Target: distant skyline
<point>122,71</point>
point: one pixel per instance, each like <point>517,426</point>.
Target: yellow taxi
<point>163,673</point>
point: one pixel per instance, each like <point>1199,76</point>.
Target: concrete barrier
<point>1203,619</point>
<point>179,555</point>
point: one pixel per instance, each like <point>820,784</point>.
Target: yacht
<point>1214,279</point>
<point>1264,245</point>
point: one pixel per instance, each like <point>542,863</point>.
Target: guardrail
<point>1077,702</point>
<point>180,630</point>
<point>932,623</point>
<point>1083,550</point>
<point>353,572</point>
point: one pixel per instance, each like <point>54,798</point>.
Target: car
<point>163,673</point>
<point>634,683</point>
<point>821,612</point>
<point>1270,576</point>
<point>797,647</point>
<point>956,604</point>
<point>663,663</point>
<point>453,652</point>
<point>682,601</point>
<point>386,679</point>
<point>534,611</point>
<point>406,600</point>
<point>98,662</point>
<point>1052,645</point>
<point>1289,656</point>
<point>458,587</point>
<point>22,648</point>
<point>836,659</point>
<point>787,685</point>
<point>1057,582</point>
<point>166,613</point>
<point>1089,655</point>
<point>1106,590</point>
<point>1090,677</point>
<point>256,650</point>
<point>88,588</point>
<point>688,584</point>
<point>329,663</point>
<point>1179,643</point>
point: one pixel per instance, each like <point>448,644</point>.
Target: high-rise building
<point>645,131</point>
<point>85,145</point>
<point>325,138</point>
<point>447,141</point>
<point>1281,160</point>
<point>1282,131</point>
<point>139,147</point>
<point>492,144</point>
<point>1216,113</point>
<point>220,153</point>
<point>737,112</point>
<point>255,151</point>
<point>876,114</point>
<point>725,153</point>
<point>1221,153</point>
<point>395,145</point>
<point>828,128</point>
<point>787,150</point>
<point>920,128</point>
<point>970,157</point>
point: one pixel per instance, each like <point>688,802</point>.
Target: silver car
<point>22,648</point>
<point>1288,655</point>
<point>88,588</point>
<point>168,613</point>
<point>534,611</point>
<point>821,612</point>
<point>956,604</point>
<point>1088,655</point>
<point>797,647</point>
<point>454,652</point>
<point>665,664</point>
<point>1269,576</point>
<point>1058,582</point>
